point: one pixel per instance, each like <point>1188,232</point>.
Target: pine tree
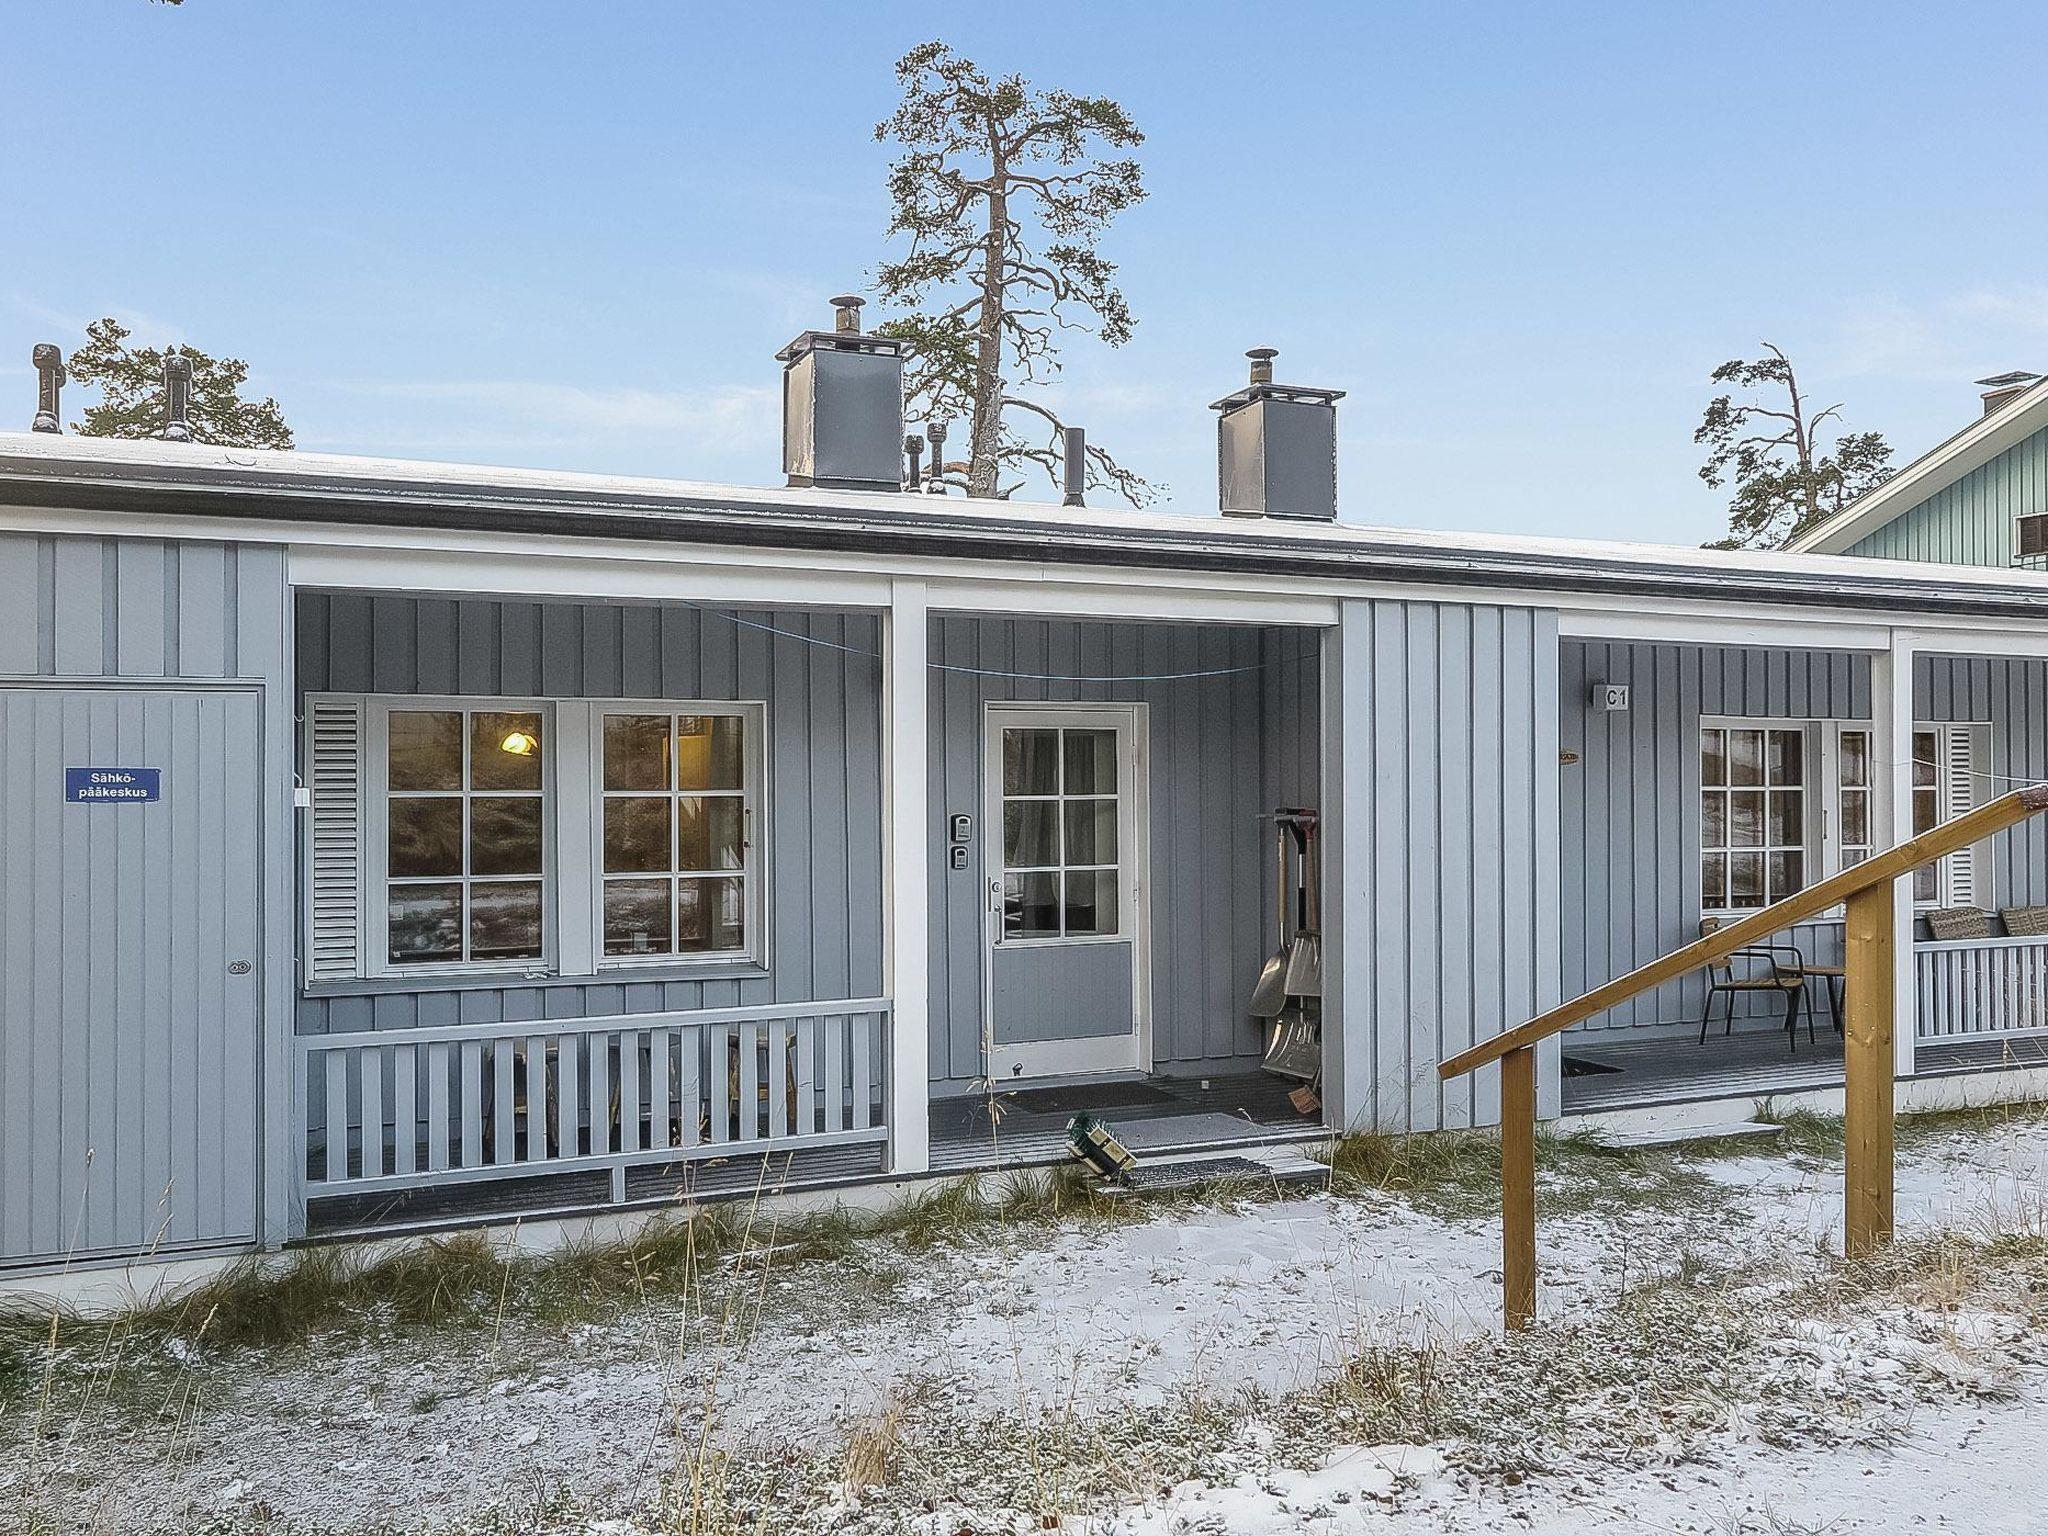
<point>1002,195</point>
<point>130,381</point>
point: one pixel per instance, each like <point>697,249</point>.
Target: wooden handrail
<point>1869,1068</point>
<point>1970,827</point>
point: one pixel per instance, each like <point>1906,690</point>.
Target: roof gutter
<point>737,521</point>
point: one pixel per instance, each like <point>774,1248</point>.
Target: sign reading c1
<point>112,786</point>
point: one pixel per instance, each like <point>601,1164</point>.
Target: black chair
<point>1783,974</point>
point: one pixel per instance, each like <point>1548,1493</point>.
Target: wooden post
<point>1518,1186</point>
<point>1867,1112</point>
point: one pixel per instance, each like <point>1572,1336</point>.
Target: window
<point>676,866</point>
<point>1061,832</point>
<point>1753,816</point>
<point>464,835</point>
<point>1853,806</point>
<point>2030,541</point>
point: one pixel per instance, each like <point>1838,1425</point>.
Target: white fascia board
<point>1947,462</point>
<point>1721,625</point>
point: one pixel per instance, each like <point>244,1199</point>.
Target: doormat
<point>1585,1066</point>
<point>1070,1099</point>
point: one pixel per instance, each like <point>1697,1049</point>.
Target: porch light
<point>519,743</point>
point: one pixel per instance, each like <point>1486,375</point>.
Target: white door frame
<point>1088,1054</point>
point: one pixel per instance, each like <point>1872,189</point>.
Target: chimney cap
<point>2008,380</point>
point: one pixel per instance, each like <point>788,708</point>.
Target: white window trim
<point>375,955</point>
<point>1962,882</point>
<point>1963,879</point>
<point>754,866</point>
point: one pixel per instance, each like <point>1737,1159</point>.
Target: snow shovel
<point>1304,976</point>
<point>1269,993</point>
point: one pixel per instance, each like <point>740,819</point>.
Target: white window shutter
<point>1960,795</point>
<point>334,774</point>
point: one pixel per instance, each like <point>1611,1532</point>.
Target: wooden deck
<point>1676,1069</point>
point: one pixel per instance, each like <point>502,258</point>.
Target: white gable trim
<point>1975,446</point>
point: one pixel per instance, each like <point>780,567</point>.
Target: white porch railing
<point>1976,987</point>
<point>394,1109</point>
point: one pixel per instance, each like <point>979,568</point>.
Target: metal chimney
<point>2001,389</point>
<point>1276,447</point>
<point>49,361</point>
<point>1076,467</point>
<point>842,406</point>
<point>177,398</point>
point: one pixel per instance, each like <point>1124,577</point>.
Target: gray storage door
<point>129,976</point>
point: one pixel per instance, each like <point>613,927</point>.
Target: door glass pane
<point>1855,759</point>
<point>425,836</point>
<point>425,923</point>
<point>636,751</point>
<point>636,831</point>
<point>710,832</point>
<point>1714,819</point>
<point>1788,818</point>
<point>1713,757</point>
<point>710,915</point>
<point>1745,757</point>
<point>1714,881</point>
<point>1787,751</point>
<point>1746,879</point>
<point>1925,758</point>
<point>1031,906</point>
<point>1091,763</point>
<point>1856,818</point>
<point>710,752</point>
<point>1788,875</point>
<point>504,919</point>
<point>1091,832</point>
<point>1926,810</point>
<point>425,749</point>
<point>1925,883</point>
<point>504,835</point>
<point>1091,901</point>
<point>636,917</point>
<point>1031,764</point>
<point>504,749</point>
<point>1030,833</point>
<point>1746,818</point>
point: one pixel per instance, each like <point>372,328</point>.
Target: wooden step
<point>1281,1168</point>
<point>1642,1141</point>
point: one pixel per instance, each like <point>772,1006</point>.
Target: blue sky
<point>1519,235</point>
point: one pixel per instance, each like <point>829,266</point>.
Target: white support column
<point>1891,725</point>
<point>906,886</point>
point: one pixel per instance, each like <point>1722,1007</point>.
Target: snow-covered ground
<point>1184,1331</point>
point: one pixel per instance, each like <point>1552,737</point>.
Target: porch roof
<point>272,489</point>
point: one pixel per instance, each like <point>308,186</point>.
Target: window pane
<point>1851,857</point>
<point>1030,833</point>
<point>1788,818</point>
<point>1091,762</point>
<point>1746,757</point>
<point>1787,751</point>
<point>425,749</point>
<point>1926,810</point>
<point>425,836</point>
<point>1091,901</point>
<point>1746,818</point>
<point>1926,757</point>
<point>1713,757</point>
<point>710,752</point>
<point>504,749</point>
<point>1788,875</point>
<point>710,915</point>
<point>1745,879</point>
<point>1031,763</point>
<point>504,835</point>
<point>504,920</point>
<point>710,832</point>
<point>1031,906</point>
<point>1924,883</point>
<point>426,923</point>
<point>636,833</point>
<point>636,751</point>
<point>1713,819</point>
<point>1091,832</point>
<point>636,916</point>
<point>1855,759</point>
<point>1856,818</point>
<point>1714,881</point>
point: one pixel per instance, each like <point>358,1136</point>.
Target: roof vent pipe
<point>49,361</point>
<point>842,406</point>
<point>913,453</point>
<point>1276,447</point>
<point>936,485</point>
<point>1076,467</point>
<point>177,398</point>
<point>2003,388</point>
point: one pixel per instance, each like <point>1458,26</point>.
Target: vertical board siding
<point>1969,522</point>
<point>1224,749</point>
<point>1630,805</point>
<point>1448,851</point>
<point>823,773</point>
<point>123,978</point>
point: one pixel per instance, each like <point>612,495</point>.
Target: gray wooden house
<point>387,845</point>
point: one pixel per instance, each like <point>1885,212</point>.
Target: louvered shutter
<point>334,775</point>
<point>1960,792</point>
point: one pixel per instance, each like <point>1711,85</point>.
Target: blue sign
<point>97,786</point>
